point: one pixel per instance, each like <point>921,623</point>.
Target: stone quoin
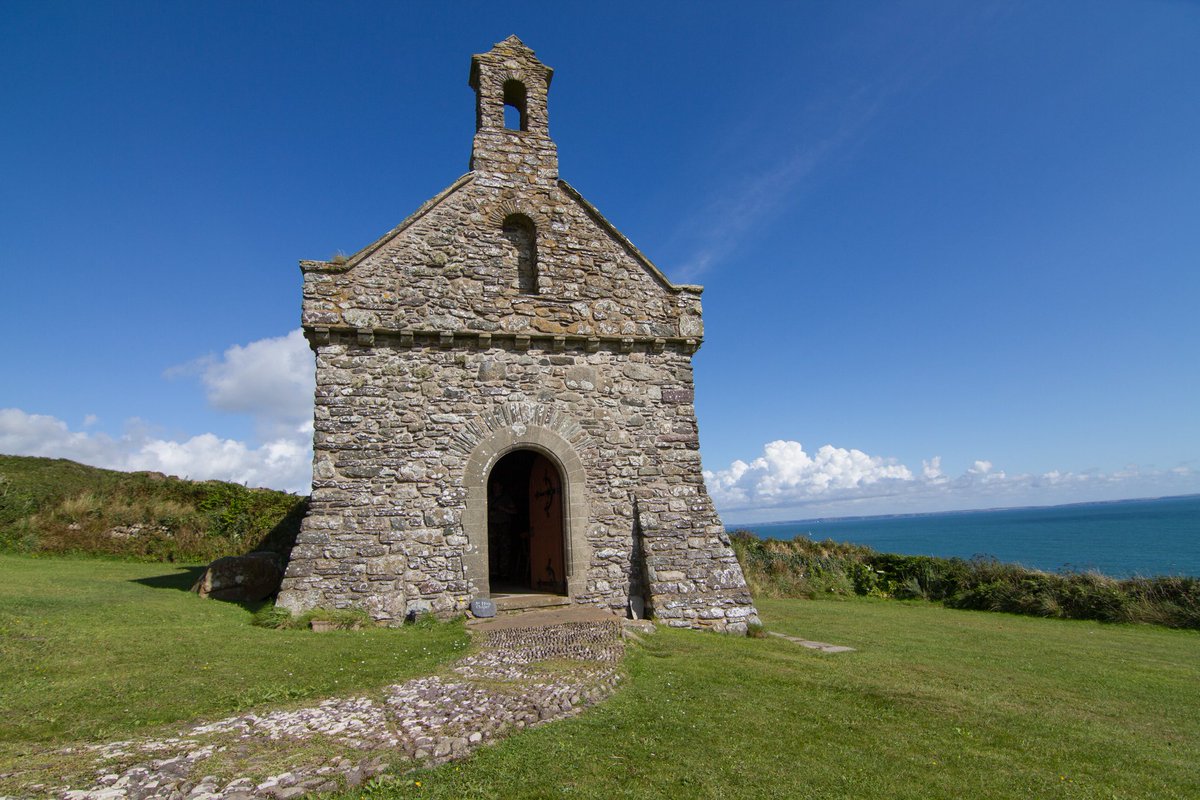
<point>504,402</point>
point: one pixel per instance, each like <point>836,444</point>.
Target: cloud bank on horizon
<point>785,482</point>
<point>272,380</point>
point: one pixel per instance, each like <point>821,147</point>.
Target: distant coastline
<point>993,509</point>
<point>1121,538</point>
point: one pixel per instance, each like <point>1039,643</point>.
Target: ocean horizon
<point>1120,538</point>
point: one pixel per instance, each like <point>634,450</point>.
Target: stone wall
<point>396,427</point>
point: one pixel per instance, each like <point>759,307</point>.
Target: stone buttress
<point>507,316</point>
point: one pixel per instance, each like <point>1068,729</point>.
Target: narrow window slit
<point>518,229</point>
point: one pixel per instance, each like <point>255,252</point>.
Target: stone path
<point>811,645</point>
<point>509,684</point>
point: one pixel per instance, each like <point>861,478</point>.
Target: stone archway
<point>485,456</point>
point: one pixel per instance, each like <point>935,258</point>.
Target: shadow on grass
<point>184,578</point>
<point>181,580</point>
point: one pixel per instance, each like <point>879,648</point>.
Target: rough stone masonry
<point>504,401</point>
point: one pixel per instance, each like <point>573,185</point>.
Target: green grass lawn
<point>93,649</point>
<point>936,703</point>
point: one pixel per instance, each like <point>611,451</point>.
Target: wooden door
<point>546,570</point>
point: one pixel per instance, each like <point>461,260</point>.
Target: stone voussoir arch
<point>485,455</point>
<point>509,207</point>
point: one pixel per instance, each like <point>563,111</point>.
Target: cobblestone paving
<point>509,684</point>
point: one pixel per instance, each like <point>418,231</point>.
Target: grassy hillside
<point>935,702</point>
<point>59,506</point>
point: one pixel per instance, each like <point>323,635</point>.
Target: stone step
<point>542,617</point>
<point>520,602</point>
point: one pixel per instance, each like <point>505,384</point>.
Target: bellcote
<point>512,130</point>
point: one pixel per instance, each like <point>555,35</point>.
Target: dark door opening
<point>525,525</point>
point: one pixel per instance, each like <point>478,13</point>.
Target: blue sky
<point>950,249</point>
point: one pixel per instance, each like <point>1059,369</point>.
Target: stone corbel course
<point>320,335</point>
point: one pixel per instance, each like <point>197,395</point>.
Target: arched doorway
<point>525,525</point>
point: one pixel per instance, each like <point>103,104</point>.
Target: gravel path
<point>510,683</point>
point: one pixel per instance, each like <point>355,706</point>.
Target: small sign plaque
<point>482,607</point>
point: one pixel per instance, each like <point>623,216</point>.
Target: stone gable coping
<point>629,246</point>
<point>307,265</point>
<point>497,216</point>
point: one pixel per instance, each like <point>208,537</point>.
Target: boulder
<point>241,578</point>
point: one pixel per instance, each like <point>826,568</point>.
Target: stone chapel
<point>504,402</point>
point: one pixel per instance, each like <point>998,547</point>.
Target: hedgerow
<point>803,567</point>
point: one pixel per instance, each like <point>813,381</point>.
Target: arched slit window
<point>515,116</point>
<point>522,236</point>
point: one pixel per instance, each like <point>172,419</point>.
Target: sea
<point>1121,538</point>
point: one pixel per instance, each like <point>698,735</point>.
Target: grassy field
<point>93,649</point>
<point>936,703</point>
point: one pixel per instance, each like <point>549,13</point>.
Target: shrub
<point>796,568</point>
<point>864,578</point>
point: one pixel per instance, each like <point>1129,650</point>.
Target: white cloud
<point>931,470</point>
<point>786,482</point>
<point>784,472</point>
<point>38,435</point>
<point>280,463</point>
<point>271,380</point>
